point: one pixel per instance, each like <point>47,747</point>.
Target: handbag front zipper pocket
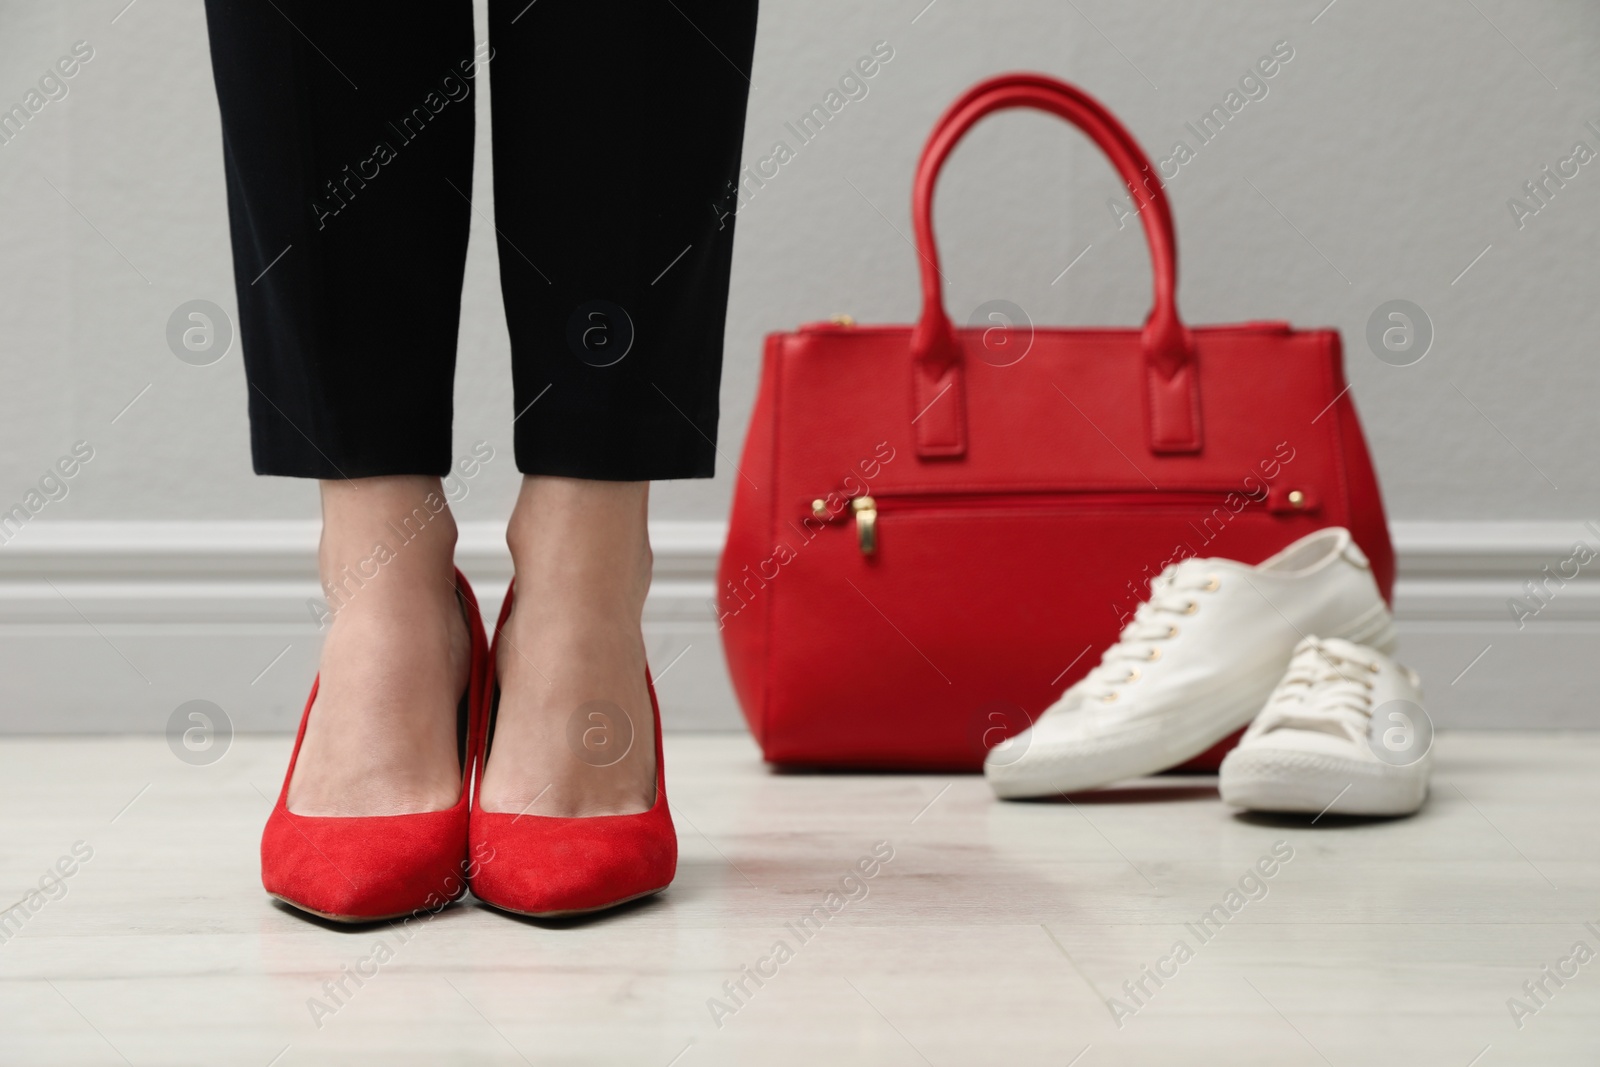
<point>868,512</point>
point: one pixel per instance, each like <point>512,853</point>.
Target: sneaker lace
<point>1174,594</point>
<point>1323,691</point>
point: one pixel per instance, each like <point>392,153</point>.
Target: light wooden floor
<point>994,935</point>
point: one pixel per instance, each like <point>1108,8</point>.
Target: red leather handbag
<point>929,544</point>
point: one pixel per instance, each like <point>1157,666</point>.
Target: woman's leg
<point>381,739</point>
<point>348,133</point>
<point>617,133</point>
<point>572,647</point>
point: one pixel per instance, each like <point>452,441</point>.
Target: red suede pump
<point>551,867</point>
<point>379,867</point>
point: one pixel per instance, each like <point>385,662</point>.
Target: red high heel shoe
<point>548,867</point>
<point>383,866</point>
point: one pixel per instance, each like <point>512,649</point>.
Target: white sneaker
<point>1344,730</point>
<point>1195,663</point>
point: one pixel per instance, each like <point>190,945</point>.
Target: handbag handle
<point>1171,376</point>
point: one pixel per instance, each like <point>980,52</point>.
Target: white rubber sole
<point>1130,752</point>
<point>1260,778</point>
<point>1375,629</point>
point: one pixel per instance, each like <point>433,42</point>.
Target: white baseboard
<point>109,626</point>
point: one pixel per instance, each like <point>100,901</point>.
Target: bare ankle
<point>582,555</point>
<point>396,656</point>
<point>582,538</point>
<point>388,534</point>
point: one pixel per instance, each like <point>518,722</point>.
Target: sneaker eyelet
<point>1109,698</point>
<point>1213,584</point>
<point>1193,607</point>
<point>1133,675</point>
<point>1155,654</point>
<point>1172,631</point>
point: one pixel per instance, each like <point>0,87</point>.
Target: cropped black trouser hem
<point>348,140</point>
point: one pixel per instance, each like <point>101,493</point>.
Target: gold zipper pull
<point>866,512</point>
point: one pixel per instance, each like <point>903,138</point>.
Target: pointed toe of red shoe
<point>387,867</point>
<point>549,867</point>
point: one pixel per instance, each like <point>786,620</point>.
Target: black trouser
<point>348,135</point>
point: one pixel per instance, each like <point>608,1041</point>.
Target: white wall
<point>1388,148</point>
